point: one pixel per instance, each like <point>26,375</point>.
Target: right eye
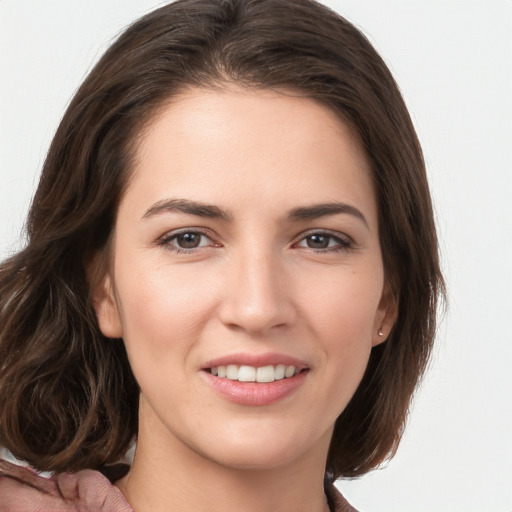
<point>186,241</point>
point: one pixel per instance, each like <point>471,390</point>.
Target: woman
<point>231,259</point>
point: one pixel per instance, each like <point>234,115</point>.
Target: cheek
<point>161,307</point>
<point>345,304</point>
<point>342,315</point>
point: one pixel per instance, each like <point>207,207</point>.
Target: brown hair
<point>68,399</point>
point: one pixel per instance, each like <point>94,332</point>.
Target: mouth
<point>253,380</point>
<point>261,374</point>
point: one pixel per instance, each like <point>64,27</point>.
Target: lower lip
<point>255,393</point>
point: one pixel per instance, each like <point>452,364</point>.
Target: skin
<point>259,281</point>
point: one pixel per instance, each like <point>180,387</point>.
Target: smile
<point>255,379</point>
<point>244,373</point>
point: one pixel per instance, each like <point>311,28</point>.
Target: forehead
<point>230,144</point>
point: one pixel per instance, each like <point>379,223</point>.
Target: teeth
<point>280,371</point>
<point>265,374</point>
<point>246,374</point>
<point>232,372</point>
<point>289,372</point>
<point>252,374</point>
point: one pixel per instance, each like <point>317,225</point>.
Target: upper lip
<point>256,360</point>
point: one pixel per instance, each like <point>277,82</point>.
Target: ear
<point>385,318</point>
<point>105,305</point>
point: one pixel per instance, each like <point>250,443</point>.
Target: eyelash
<point>167,240</point>
<point>342,243</point>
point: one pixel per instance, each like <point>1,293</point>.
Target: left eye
<point>187,240</point>
<point>323,241</point>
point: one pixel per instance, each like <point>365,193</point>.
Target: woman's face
<point>246,244</point>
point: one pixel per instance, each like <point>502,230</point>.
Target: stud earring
<point>380,332</point>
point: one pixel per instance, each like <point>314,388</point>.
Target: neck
<point>174,477</point>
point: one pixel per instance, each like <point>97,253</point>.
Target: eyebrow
<point>186,206</point>
<point>322,210</point>
<point>214,212</point>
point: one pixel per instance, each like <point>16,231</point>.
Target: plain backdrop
<point>453,62</point>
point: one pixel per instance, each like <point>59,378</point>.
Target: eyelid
<point>166,239</point>
<point>346,242</point>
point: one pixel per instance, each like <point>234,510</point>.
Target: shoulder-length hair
<point>68,399</point>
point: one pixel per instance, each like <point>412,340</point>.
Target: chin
<point>267,449</point>
<point>255,459</point>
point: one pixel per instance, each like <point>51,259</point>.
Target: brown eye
<point>325,242</point>
<point>318,241</point>
<point>188,240</point>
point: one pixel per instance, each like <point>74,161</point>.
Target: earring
<point>380,332</point>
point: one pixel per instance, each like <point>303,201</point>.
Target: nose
<point>258,294</point>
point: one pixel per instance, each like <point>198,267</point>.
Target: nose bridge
<point>256,297</point>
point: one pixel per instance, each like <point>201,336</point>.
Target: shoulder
<point>23,490</point>
<point>337,502</point>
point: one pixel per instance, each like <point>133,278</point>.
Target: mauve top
<point>23,490</point>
